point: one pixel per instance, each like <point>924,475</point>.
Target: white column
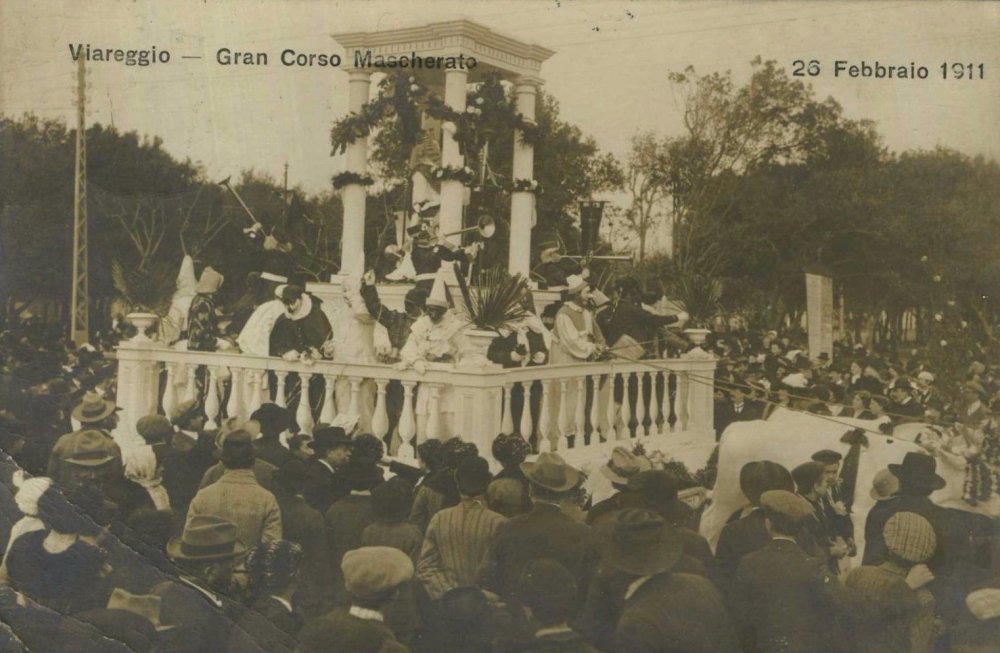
<point>522,203</point>
<point>352,242</point>
<point>452,192</point>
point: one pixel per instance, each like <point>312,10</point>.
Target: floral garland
<point>488,112</point>
<point>347,178</point>
<point>526,186</point>
<point>465,174</point>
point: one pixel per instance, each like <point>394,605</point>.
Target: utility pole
<point>284,196</point>
<point>80,302</point>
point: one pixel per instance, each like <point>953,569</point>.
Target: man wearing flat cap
<point>373,577</point>
<point>547,531</point>
<point>664,610</point>
<point>76,455</point>
<point>782,599</point>
<point>745,532</point>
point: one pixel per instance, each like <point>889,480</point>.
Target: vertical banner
<point>819,307</point>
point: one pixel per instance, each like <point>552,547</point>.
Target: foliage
<point>347,177</point>
<point>498,301</point>
<point>146,290</point>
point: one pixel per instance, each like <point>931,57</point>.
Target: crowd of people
<point>254,536</point>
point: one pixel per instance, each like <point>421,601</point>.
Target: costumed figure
<point>436,337</point>
<point>425,255</point>
<point>353,342</point>
<point>553,269</point>
<point>174,323</point>
<point>578,339</point>
<point>203,321</point>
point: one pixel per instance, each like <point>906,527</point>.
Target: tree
<point>648,180</point>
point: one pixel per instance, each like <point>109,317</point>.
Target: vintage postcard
<point>544,325</point>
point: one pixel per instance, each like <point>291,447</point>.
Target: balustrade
<point>599,404</point>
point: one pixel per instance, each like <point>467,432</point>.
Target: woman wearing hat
<point>60,566</point>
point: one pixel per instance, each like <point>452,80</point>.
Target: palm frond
<point>147,290</point>
<point>498,300</point>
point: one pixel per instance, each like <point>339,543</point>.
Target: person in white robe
<point>436,337</point>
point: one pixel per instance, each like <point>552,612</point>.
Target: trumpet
<point>486,226</point>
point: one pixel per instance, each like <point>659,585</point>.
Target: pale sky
<point>609,71</point>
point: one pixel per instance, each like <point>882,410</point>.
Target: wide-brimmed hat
<point>575,284</point>
<point>154,428</point>
<point>549,253</point>
<point>206,537</point>
<point>373,570</point>
<point>910,536</point>
<point>209,282</point>
<point>918,470</point>
<point>885,485</point>
<point>551,472</point>
<point>827,456</point>
<point>548,587</point>
<point>184,411</point>
<point>328,437</point>
<point>273,418</point>
<point>473,475</point>
<point>89,448</point>
<point>129,628</point>
<point>623,465</point>
<point>638,542</point>
<point>93,408</point>
<point>759,476</point>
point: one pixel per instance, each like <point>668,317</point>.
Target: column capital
<point>525,83</point>
<point>359,75</point>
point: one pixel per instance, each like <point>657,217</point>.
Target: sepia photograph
<point>548,326</point>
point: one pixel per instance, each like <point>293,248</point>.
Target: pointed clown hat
<point>439,292</point>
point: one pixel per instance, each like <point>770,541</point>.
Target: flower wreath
<point>348,177</point>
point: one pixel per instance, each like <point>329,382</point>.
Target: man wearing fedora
<point>198,602</point>
<point>904,408</point>
<point>548,593</point>
<point>324,481</point>
<point>188,456</point>
<point>274,420</point>
<point>782,599</point>
<point>664,610</point>
<point>347,517</point>
<point>619,469</point>
<point>547,531</point>
<point>81,449</point>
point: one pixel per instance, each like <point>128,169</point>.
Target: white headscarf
<point>142,468</point>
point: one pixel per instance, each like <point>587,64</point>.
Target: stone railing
<point>577,409</point>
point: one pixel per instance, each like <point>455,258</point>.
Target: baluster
<point>580,413</point>
<point>626,412</point>
<point>191,391</point>
<point>279,396</point>
<point>234,407</point>
<point>654,404</point>
<point>595,412</point>
<point>433,415</point>
<point>329,410</point>
<point>612,410</point>
<point>303,412</point>
<point>667,403</point>
<point>507,421</point>
<point>640,407</point>
<point>526,425</point>
<point>407,424</point>
<point>355,406</point>
<point>564,416</point>
<point>545,419</point>
<point>170,393</point>
<point>253,382</point>
<point>211,398</point>
<point>682,400</point>
<point>380,419</point>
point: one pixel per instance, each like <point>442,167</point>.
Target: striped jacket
<point>455,546</point>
